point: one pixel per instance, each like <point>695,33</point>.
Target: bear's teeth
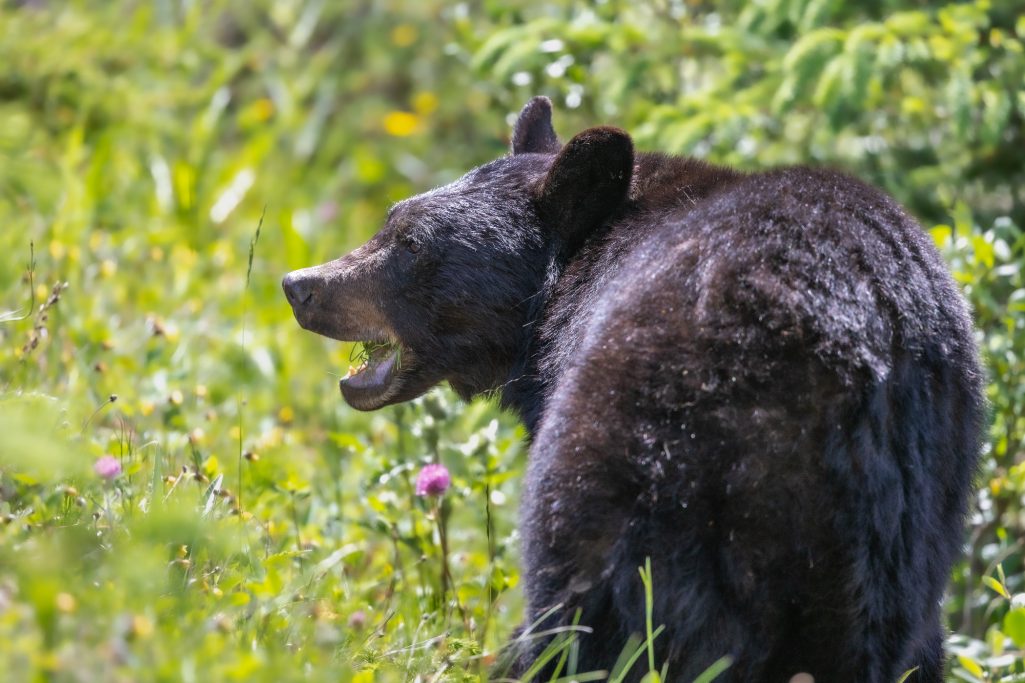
<point>353,370</point>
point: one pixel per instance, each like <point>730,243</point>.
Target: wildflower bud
<point>357,620</point>
<point>433,480</point>
<point>107,467</point>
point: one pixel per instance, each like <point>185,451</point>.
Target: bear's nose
<point>298,289</point>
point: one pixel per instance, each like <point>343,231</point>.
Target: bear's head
<point>451,286</point>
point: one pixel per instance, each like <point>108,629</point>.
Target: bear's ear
<point>587,182</point>
<point>533,132</point>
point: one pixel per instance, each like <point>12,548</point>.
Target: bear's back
<point>809,260</point>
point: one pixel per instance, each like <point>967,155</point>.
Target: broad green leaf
<point>972,666</point>
<point>1014,626</point>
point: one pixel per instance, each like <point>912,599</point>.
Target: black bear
<point>766,384</point>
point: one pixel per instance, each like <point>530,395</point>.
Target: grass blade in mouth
<point>364,352</point>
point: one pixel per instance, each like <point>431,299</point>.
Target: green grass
<point>164,164</point>
<point>362,352</point>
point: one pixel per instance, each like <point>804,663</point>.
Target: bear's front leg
<point>570,529</point>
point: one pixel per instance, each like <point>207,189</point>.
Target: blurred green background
<point>260,530</point>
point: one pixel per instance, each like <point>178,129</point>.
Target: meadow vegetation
<point>183,494</point>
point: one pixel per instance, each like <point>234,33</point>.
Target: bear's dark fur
<point>767,384</point>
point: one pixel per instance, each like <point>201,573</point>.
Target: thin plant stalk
<point>238,397</point>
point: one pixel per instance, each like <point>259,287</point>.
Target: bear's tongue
<point>374,374</point>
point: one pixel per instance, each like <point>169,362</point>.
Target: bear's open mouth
<point>375,365</point>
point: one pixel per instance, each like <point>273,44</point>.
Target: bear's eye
<point>412,246</point>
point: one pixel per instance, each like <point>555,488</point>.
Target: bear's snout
<point>299,288</point>
<point>326,300</point>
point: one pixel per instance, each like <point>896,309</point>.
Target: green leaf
<point>803,62</point>
<point>941,235</point>
<point>995,638</point>
<point>996,586</point>
<point>971,666</point>
<point>907,673</point>
<point>1014,626</point>
<point>983,251</point>
<point>712,672</point>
